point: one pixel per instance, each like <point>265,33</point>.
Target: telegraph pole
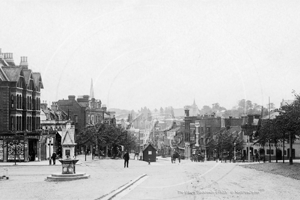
<point>269,133</point>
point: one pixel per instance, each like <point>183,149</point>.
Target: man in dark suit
<point>53,157</point>
<point>126,159</point>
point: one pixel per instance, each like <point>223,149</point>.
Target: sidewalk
<point>81,159</point>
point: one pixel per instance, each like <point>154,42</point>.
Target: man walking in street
<point>53,157</point>
<point>126,159</point>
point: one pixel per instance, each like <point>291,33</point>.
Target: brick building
<point>209,125</point>
<point>19,110</point>
<point>53,122</point>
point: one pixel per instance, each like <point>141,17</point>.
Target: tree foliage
<point>106,135</point>
<point>224,141</point>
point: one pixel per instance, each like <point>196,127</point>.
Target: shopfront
<point>19,149</point>
<point>1,150</point>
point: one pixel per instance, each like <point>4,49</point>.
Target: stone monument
<point>67,161</point>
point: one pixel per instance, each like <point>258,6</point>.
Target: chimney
<point>86,97</point>
<point>187,111</point>
<point>54,106</point>
<point>104,108</point>
<point>44,105</point>
<point>24,63</point>
<point>71,97</point>
<point>8,57</point>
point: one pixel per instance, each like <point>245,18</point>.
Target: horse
<point>174,156</point>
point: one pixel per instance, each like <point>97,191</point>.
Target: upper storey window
<point>20,83</point>
<point>31,86</point>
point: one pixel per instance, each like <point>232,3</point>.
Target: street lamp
<point>234,152</point>
<point>197,124</point>
<point>50,144</point>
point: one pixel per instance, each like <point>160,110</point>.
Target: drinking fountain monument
<point>68,153</point>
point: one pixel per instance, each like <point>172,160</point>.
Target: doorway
<point>32,149</point>
<point>58,147</point>
<point>278,154</point>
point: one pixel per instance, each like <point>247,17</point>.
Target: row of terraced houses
<point>29,129</point>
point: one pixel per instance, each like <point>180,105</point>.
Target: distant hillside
<point>120,113</point>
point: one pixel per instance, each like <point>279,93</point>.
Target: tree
<point>161,110</point>
<point>107,136</point>
<point>269,131</point>
<point>205,110</point>
<point>223,141</point>
<point>289,121</point>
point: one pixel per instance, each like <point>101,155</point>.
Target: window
<point>12,101</point>
<point>88,119</point>
<point>12,123</point>
<point>92,119</point>
<point>76,118</point>
<point>268,151</point>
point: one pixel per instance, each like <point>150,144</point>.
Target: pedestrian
<point>126,159</point>
<point>256,156</point>
<point>53,157</point>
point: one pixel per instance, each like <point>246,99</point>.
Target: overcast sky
<point>158,53</point>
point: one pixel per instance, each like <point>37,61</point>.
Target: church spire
<point>92,90</point>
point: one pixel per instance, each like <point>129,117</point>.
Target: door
<point>32,149</point>
<point>278,154</point>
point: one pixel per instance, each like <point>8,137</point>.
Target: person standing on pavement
<point>126,159</point>
<point>53,157</point>
<point>256,156</point>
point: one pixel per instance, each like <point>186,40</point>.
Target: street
<point>163,180</point>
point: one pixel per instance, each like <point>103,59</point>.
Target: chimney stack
<point>44,105</point>
<point>24,62</point>
<point>187,111</point>
<point>104,108</point>
<point>8,57</point>
<point>71,97</point>
<point>54,106</point>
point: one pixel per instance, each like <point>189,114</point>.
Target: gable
<point>13,73</point>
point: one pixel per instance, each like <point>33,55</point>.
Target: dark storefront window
<point>1,150</point>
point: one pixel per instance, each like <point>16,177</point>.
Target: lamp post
<point>197,124</point>
<point>290,141</point>
<point>50,144</point>
<point>234,152</point>
<point>248,144</point>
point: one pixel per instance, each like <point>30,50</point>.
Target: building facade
<point>53,123</point>
<point>206,126</point>
<point>20,90</point>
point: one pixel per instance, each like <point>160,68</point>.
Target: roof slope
<point>13,73</point>
<point>37,78</point>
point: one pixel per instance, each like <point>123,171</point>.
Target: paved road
<point>187,180</point>
<point>212,180</point>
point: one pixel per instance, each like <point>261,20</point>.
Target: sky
<point>158,53</point>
